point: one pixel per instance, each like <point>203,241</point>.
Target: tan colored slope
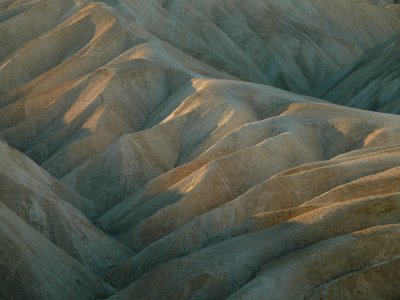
<point>267,204</point>
<point>257,41</point>
<point>382,183</point>
<point>222,269</point>
<point>19,21</point>
<point>184,125</point>
<point>83,102</point>
<point>218,186</point>
<point>34,268</point>
<point>346,129</point>
<point>310,268</point>
<point>42,201</point>
<point>59,47</point>
<point>128,164</point>
<point>209,187</point>
<point>83,116</point>
<point>353,285</point>
<point>81,113</point>
<point>306,124</point>
<point>17,167</point>
<point>227,107</point>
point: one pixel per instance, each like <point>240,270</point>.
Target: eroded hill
<point>172,149</point>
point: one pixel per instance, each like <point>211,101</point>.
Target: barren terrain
<point>187,149</point>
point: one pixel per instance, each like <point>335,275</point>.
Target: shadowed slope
<point>371,82</point>
<point>204,186</point>
<point>47,205</point>
<point>231,264</point>
<point>34,268</point>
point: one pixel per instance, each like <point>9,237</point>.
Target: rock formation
<point>182,149</point>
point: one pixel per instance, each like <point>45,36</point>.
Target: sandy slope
<point>165,149</point>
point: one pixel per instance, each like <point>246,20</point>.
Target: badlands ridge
<point>186,149</point>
